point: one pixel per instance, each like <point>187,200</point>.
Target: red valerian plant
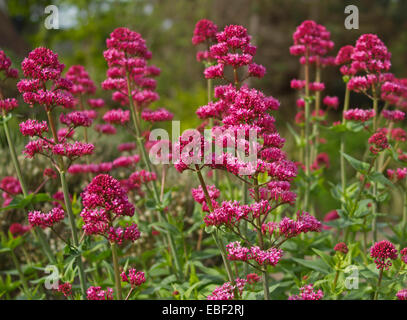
<point>258,201</point>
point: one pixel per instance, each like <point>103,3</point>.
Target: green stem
<point>38,232</point>
<point>342,147</point>
<point>20,273</point>
<point>146,160</point>
<point>72,223</point>
<point>117,279</point>
<point>315,128</point>
<point>379,282</point>
<point>217,238</point>
<point>307,134</point>
<point>374,209</point>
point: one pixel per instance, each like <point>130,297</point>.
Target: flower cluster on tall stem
<point>241,112</point>
<point>44,86</point>
<point>132,80</point>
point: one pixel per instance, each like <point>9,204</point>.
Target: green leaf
<point>380,178</point>
<point>359,166</point>
<point>317,265</point>
<point>327,258</point>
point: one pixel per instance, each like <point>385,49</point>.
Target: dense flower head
<point>8,104</point>
<point>105,129</point>
<point>199,195</point>
<point>126,146</point>
<point>102,167</point>
<point>303,224</point>
<point>96,293</point>
<point>96,103</point>
<point>40,219</point>
<point>378,142</point>
<point>370,55</point>
<point>106,192</point>
<point>82,84</point>
<point>5,66</point>
<point>73,150</point>
<point>126,161</point>
<point>156,115</point>
<point>119,234</point>
<point>263,257</point>
<point>341,247</point>
<point>383,252</point>
<point>402,294</point>
<point>398,134</point>
<point>393,115</point>
<point>10,185</point>
<point>205,31</point>
<point>233,48</point>
<point>359,114</point>
<point>133,277</point>
<point>397,174</point>
<point>117,116</point>
<point>312,39</point>
<point>403,254</point>
<point>43,64</point>
<point>252,278</point>
<point>227,290</point>
<point>322,160</point>
<point>307,293</point>
<point>33,127</point>
<point>128,41</point>
<point>65,289</point>
<point>229,213</point>
<point>17,229</point>
<point>331,102</point>
<point>76,119</point>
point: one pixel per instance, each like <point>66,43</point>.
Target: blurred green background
<point>167,26</point>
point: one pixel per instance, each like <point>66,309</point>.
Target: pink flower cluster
<point>105,129</point>
<point>133,277</point>
<point>270,256</point>
<point>341,247</point>
<point>227,290</point>
<point>378,142</point>
<point>359,114</point>
<point>104,200</point>
<point>307,293</point>
<point>96,103</point>
<point>33,127</point>
<point>127,56</point>
<point>402,294</point>
<point>10,187</point>
<point>205,31</point>
<point>65,289</point>
<point>76,119</point>
<point>304,223</point>
<point>90,168</point>
<point>117,116</point>
<point>39,67</point>
<point>6,105</point>
<point>398,174</point>
<point>96,293</point>
<point>312,40</point>
<point>393,115</point>
<point>5,66</point>
<point>127,146</point>
<point>39,219</point>
<point>156,115</point>
<point>383,252</point>
<point>82,84</point>
<point>199,196</point>
<point>233,48</point>
<point>17,229</point>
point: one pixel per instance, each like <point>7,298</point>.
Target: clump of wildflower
<point>133,277</point>
<point>341,247</point>
<point>44,220</point>
<point>105,129</point>
<point>65,289</point>
<point>227,290</point>
<point>303,224</point>
<point>393,115</point>
<point>331,102</point>
<point>104,201</point>
<point>397,175</point>
<point>383,252</point>
<point>117,116</point>
<point>10,187</point>
<point>96,293</point>
<point>359,114</point>
<point>17,229</point>
<point>402,294</point>
<point>156,115</point>
<point>403,254</point>
<point>378,142</point>
<point>5,66</point>
<point>82,84</point>
<point>307,293</point>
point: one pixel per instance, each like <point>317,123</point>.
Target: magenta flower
<point>96,293</point>
<point>307,293</point>
<point>117,116</point>
<point>82,84</point>
<point>133,277</point>
<point>383,252</point>
<point>227,290</point>
<point>39,219</point>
